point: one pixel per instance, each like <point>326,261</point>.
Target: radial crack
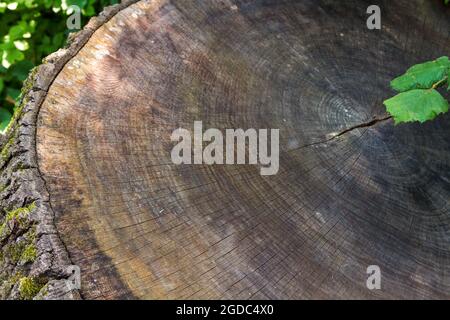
<point>375,120</point>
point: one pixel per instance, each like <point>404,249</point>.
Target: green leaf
<point>21,69</point>
<point>16,32</point>
<point>89,11</point>
<point>448,79</point>
<point>13,93</point>
<point>416,105</point>
<point>47,3</point>
<point>21,45</point>
<point>78,3</point>
<point>422,76</point>
<point>11,56</point>
<point>12,5</point>
<point>5,118</point>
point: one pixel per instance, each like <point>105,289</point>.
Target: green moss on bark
<point>29,287</point>
<point>5,153</point>
<point>18,214</point>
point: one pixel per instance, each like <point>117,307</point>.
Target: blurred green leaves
<point>29,31</point>
<point>5,117</point>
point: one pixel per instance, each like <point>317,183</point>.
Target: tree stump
<point>88,156</point>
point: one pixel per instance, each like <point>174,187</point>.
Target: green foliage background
<point>29,31</point>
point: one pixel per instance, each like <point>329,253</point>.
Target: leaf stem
<point>437,84</point>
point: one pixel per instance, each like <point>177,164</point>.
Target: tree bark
<point>88,156</point>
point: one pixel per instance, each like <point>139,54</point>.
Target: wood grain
<point>142,227</point>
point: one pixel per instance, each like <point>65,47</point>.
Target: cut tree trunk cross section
<point>352,190</point>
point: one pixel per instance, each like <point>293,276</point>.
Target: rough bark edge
<point>26,215</point>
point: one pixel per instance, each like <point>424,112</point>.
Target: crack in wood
<point>375,120</point>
